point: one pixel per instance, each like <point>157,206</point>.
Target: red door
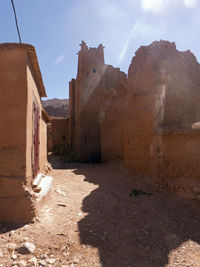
<point>36,117</point>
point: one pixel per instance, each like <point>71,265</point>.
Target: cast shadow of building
<point>137,231</point>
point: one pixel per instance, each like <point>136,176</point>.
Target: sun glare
<point>153,5</point>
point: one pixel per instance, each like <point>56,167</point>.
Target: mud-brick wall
<point>72,95</point>
<point>163,95</point>
<point>15,203</point>
<point>140,115</point>
<point>140,153</point>
<point>178,87</point>
<point>43,146</point>
<point>113,115</point>
<point>179,161</point>
<point>33,96</point>
<point>180,154</point>
<point>49,138</point>
<point>59,130</point>
<point>89,90</point>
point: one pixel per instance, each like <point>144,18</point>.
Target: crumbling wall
<point>140,115</point>
<point>163,100</point>
<point>72,112</point>
<point>113,115</point>
<point>88,100</point>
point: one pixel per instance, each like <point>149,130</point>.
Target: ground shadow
<point>137,231</point>
<point>7,227</point>
<point>57,162</point>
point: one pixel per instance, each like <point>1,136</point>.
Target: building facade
<point>23,130</point>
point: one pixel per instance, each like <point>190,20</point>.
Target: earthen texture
<point>97,89</point>
<point>59,132</point>
<point>88,99</point>
<point>159,105</point>
<point>72,93</point>
<point>19,86</point>
<point>113,115</point>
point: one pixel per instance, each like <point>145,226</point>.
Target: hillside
<point>56,107</point>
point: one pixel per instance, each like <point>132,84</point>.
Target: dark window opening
<point>85,138</point>
<point>94,71</point>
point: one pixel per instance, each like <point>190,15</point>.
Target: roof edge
<point>30,49</point>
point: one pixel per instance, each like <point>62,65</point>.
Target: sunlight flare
<point>153,5</point>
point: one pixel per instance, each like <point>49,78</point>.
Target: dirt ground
<point>90,220</point>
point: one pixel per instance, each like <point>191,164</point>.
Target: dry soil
<point>90,220</point>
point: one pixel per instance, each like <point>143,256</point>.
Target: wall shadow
<point>7,227</point>
<point>58,163</point>
<point>137,231</point>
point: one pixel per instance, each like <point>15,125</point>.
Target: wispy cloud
<point>59,59</point>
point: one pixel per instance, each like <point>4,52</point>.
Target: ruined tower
<point>96,108</point>
<point>88,98</point>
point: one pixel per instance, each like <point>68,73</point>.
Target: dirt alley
<point>90,220</point>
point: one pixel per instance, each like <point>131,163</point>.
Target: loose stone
<point>26,248</point>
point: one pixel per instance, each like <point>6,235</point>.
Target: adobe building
<point>151,121</point>
<point>72,95</point>
<point>23,134</point>
<point>162,115</point>
<point>58,129</point>
<point>49,138</point>
<point>89,100</point>
<point>113,115</point>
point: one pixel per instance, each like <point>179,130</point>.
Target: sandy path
<point>99,224</point>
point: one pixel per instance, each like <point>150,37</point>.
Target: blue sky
<point>56,28</point>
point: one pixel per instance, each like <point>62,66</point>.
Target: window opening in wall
<point>94,71</point>
<point>106,113</point>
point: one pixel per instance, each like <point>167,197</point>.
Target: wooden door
<point>36,117</point>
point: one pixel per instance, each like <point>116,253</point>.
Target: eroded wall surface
<point>97,108</point>
<point>162,104</point>
<point>113,115</point>
<point>72,112</point>
<point>88,100</point>
<point>140,115</point>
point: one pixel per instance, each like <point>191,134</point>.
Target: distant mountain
<point>56,107</point>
